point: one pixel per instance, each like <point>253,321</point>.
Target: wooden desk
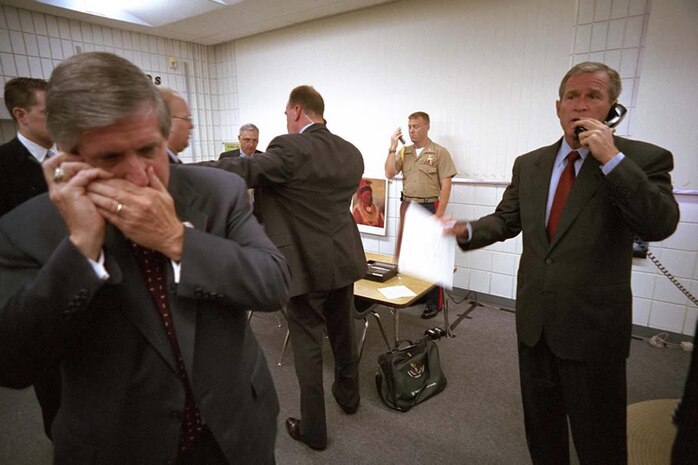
<point>369,290</point>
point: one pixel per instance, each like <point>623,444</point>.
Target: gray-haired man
<point>145,317</point>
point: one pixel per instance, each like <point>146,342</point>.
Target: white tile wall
<point>32,44</point>
<point>612,32</point>
<point>668,316</point>
<point>641,311</point>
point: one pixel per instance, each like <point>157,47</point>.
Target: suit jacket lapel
<point>585,186</point>
<point>137,302</point>
<point>541,185</point>
<point>184,311</point>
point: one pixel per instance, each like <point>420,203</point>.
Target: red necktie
<point>564,186</point>
<point>152,265</point>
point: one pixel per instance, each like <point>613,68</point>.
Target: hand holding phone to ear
<point>598,136</point>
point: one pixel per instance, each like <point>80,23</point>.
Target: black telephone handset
<point>613,119</point>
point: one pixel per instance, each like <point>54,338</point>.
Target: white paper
<point>395,292</point>
<point>426,252</point>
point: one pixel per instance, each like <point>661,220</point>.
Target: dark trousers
<point>308,315</point>
<point>48,392</point>
<point>590,395</point>
<point>685,450</point>
<point>435,297</point>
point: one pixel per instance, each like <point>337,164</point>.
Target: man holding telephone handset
<point>427,169</point>
<point>579,203</point>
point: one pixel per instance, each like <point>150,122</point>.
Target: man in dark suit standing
<point>303,186</point>
<point>574,302</point>
<point>21,158</point>
<point>134,285</point>
<point>20,165</point>
<point>249,138</point>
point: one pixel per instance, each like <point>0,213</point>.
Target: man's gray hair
<point>248,127</point>
<point>94,90</point>
<point>614,83</point>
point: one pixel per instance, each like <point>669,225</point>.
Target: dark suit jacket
<point>22,176</point>
<point>122,396</point>
<point>576,288</point>
<point>303,187</point>
<point>233,154</point>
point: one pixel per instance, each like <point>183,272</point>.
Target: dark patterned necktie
<point>564,186</point>
<point>152,265</point>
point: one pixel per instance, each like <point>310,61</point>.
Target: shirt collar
<point>37,151</point>
<point>565,149</point>
<point>173,156</point>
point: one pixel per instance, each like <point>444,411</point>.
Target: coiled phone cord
<point>671,277</point>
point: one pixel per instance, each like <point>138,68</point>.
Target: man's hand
<point>390,169</point>
<point>455,228</point>
<point>68,178</point>
<point>397,135</point>
<point>147,215</point>
<point>598,138</point>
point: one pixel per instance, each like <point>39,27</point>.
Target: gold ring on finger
<point>59,175</point>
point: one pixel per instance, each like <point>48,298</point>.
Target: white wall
<point>667,108</point>
<point>486,72</point>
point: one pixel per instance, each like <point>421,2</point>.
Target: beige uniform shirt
<point>422,174</point>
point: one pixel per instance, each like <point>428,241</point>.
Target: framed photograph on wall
<point>369,206</point>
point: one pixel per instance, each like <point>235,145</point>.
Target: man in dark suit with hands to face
<point>303,185</point>
<point>137,285</point>
<point>578,203</point>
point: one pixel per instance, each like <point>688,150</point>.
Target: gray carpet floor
<point>477,419</point>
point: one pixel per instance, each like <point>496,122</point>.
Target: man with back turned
<point>303,186</point>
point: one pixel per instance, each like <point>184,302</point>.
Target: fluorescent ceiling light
<point>113,9</point>
<point>153,13</point>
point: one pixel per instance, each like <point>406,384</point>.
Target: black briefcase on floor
<point>409,375</point>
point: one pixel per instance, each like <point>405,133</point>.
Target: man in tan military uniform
<point>427,169</point>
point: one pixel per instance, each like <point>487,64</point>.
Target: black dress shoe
<point>430,311</point>
<point>293,427</point>
<point>348,409</point>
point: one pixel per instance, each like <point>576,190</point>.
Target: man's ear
<point>557,108</point>
<point>19,113</point>
<point>297,112</point>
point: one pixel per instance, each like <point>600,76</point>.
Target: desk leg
<point>448,328</point>
<point>396,326</point>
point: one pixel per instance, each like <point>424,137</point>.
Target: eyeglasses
<point>188,119</point>
<point>248,140</point>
